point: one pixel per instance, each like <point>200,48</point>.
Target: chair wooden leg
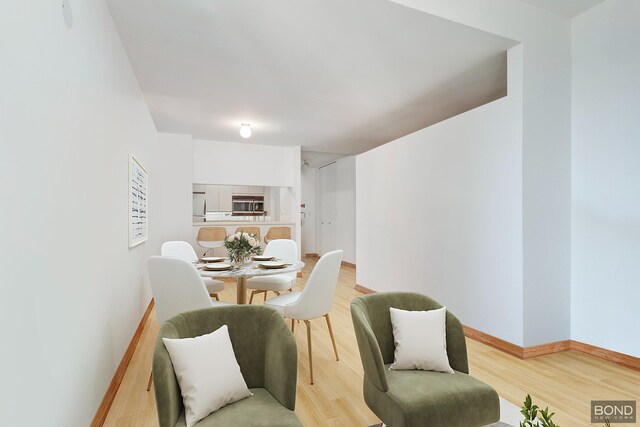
<point>310,353</point>
<point>215,295</point>
<point>333,341</point>
<point>265,296</point>
<point>150,380</point>
<point>293,325</point>
<point>251,297</point>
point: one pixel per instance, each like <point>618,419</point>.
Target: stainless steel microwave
<point>248,205</point>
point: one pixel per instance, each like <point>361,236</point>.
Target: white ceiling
<point>567,8</point>
<point>334,76</point>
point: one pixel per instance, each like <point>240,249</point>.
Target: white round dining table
<point>246,272</point>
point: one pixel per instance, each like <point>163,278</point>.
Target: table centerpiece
<point>241,247</point>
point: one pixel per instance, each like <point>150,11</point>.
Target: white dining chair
<point>185,251</point>
<point>177,287</point>
<point>285,250</point>
<point>314,301</point>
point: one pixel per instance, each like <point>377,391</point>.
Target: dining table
<point>242,273</point>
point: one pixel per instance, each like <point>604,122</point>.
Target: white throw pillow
<point>420,338</point>
<point>208,373</point>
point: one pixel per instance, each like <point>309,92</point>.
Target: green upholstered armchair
<point>417,398</point>
<point>266,352</point>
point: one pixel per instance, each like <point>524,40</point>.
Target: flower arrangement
<point>241,246</point>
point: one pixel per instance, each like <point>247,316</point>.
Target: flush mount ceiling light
<point>245,130</point>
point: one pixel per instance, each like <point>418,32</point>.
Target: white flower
<point>247,236</point>
<point>252,241</point>
<point>238,235</point>
<point>231,238</point>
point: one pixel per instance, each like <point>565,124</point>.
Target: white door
<point>327,201</point>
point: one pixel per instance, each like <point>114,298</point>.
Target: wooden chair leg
<point>310,353</point>
<point>215,296</point>
<point>333,341</point>
<point>293,325</point>
<point>251,298</point>
<point>150,380</point>
<point>265,296</point>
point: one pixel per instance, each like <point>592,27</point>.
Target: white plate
<point>273,264</point>
<point>218,266</point>
<point>212,259</point>
<point>262,258</point>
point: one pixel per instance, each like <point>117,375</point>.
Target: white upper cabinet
<point>240,189</point>
<point>247,189</point>
<point>212,195</point>
<point>225,203</point>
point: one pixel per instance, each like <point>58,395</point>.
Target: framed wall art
<point>138,195</point>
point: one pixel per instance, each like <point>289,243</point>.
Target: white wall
<point>72,291</point>
<point>216,162</point>
<point>606,179</point>
<point>443,207</point>
<point>346,207</point>
<point>546,160</point>
<point>170,174</point>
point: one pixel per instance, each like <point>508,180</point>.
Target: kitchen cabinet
<point>240,189</point>
<point>224,198</point>
<point>247,189</point>
<point>212,196</point>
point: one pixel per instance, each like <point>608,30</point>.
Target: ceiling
<point>333,76</point>
<point>566,8</point>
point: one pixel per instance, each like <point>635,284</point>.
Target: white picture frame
<point>138,202</point>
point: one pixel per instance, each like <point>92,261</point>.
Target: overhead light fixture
<point>245,130</point>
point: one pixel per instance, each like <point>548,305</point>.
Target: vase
<point>240,259</point>
<point>244,263</point>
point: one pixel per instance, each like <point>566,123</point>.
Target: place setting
<point>217,266</point>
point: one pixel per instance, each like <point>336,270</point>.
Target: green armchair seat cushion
<point>265,350</point>
<point>424,398</point>
<point>417,398</point>
<point>259,410</point>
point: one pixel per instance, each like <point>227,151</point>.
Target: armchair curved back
<point>374,333</point>
<point>263,345</point>
<point>317,296</point>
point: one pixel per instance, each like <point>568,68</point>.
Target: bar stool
<point>211,238</point>
<point>250,230</point>
<point>276,233</point>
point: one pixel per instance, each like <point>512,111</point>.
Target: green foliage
<point>535,417</point>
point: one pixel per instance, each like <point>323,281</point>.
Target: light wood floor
<point>566,382</point>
